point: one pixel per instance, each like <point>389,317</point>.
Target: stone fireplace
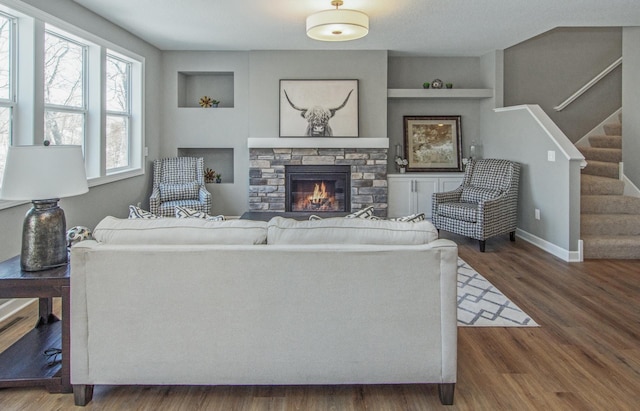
<point>271,170</point>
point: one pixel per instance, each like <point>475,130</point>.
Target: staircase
<point>609,220</point>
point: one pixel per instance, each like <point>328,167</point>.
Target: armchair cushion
<point>459,211</point>
<point>472,194</point>
<point>184,191</point>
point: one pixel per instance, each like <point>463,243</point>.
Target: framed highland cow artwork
<point>433,143</point>
<point>318,108</point>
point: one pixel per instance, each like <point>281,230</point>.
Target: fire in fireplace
<point>318,188</point>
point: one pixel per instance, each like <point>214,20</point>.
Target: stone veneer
<point>368,175</point>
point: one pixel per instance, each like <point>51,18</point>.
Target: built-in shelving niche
<point>192,85</point>
<point>218,159</point>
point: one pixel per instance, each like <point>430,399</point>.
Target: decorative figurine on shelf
<point>437,83</point>
<point>209,175</point>
<point>206,101</point>
<point>426,84</point>
<point>401,163</point>
<point>218,178</point>
<point>449,85</point>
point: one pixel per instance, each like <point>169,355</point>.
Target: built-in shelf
<point>218,85</point>
<point>218,159</point>
<point>468,93</point>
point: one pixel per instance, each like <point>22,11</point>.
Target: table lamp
<point>43,175</point>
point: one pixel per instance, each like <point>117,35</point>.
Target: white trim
<point>13,306</point>
<point>440,93</point>
<point>630,189</point>
<point>589,84</point>
<point>565,255</point>
<point>318,142</point>
<point>566,147</point>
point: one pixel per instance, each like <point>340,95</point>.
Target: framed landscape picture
<point>318,108</point>
<point>433,143</point>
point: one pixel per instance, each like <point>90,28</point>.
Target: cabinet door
<point>450,183</point>
<point>401,199</point>
<point>423,190</point>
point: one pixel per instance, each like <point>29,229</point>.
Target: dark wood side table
<point>24,363</point>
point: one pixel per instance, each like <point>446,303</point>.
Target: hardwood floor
<point>584,356</point>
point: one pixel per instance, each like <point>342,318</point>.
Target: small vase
<point>402,170</point>
<point>218,180</point>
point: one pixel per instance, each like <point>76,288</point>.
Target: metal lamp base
<point>44,237</point>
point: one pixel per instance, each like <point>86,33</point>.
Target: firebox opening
<point>317,188</point>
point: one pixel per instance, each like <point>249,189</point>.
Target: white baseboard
<point>565,255</point>
<point>13,306</point>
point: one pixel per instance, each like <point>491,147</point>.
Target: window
<point>7,98</point>
<point>64,90</point>
<point>118,119</point>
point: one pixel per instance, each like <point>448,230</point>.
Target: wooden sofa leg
<point>482,244</point>
<point>445,391</point>
<point>512,236</point>
<point>82,394</point>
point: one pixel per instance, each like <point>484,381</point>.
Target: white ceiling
<point>405,27</point>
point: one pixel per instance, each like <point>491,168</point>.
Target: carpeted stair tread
<point>596,185</point>
<point>608,204</point>
<point>613,155</point>
<point>604,141</point>
<point>611,247</point>
<point>610,224</point>
<point>601,168</point>
<point>613,129</point>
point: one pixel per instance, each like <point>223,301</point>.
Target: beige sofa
<point>191,302</point>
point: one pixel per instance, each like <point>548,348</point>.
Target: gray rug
<point>480,304</point>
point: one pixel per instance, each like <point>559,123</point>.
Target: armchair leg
<point>512,236</point>
<point>482,244</point>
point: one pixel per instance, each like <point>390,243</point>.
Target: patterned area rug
<point>480,304</point>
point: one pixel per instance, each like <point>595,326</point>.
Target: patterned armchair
<point>178,181</point>
<point>485,205</point>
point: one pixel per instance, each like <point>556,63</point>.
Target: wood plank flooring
<point>585,356</point>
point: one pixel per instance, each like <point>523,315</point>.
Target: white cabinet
<point>411,193</point>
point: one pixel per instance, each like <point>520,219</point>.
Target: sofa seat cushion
<point>349,231</point>
<point>113,230</point>
<point>459,211</point>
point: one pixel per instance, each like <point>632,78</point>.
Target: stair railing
<point>589,84</point>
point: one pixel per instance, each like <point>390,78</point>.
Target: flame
<point>319,194</point>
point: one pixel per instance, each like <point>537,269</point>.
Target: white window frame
<point>28,109</point>
<point>10,103</point>
<point>123,114</point>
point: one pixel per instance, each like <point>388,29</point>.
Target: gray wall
<point>108,199</point>
<point>631,103</point>
<point>549,68</point>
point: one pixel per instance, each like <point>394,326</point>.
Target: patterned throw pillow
<point>184,212</point>
<point>172,192</point>
<point>77,234</point>
<point>366,212</point>
<point>314,217</point>
<point>137,212</point>
<point>411,218</point>
<point>477,194</point>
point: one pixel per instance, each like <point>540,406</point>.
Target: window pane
<point>117,85</point>
<point>63,72</point>
<point>5,137</point>
<point>5,57</point>
<point>64,128</point>
<point>117,142</point>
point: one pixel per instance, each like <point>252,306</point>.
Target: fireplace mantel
<point>318,142</point>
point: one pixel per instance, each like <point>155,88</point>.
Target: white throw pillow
<point>349,231</point>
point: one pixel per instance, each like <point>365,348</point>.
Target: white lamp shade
<point>337,25</point>
<point>43,172</point>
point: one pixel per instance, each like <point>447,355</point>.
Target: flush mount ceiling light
<point>337,25</point>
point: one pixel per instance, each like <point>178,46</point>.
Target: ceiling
<point>404,27</point>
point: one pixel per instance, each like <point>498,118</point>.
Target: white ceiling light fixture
<point>337,25</point>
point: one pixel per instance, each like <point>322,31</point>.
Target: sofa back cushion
<point>349,231</point>
<point>180,231</point>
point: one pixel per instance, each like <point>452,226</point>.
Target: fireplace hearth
<point>317,188</point>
